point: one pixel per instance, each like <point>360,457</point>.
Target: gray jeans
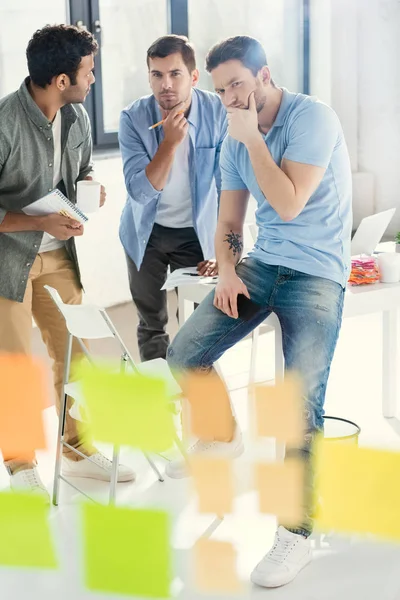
<point>167,247</point>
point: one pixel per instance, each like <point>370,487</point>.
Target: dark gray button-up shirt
<point>26,174</point>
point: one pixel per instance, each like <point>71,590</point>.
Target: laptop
<point>370,232</point>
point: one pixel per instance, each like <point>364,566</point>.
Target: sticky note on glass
<point>210,408</point>
<point>127,551</point>
<point>358,489</point>
<point>215,568</point>
<point>281,490</point>
<point>25,537</point>
<point>213,482</point>
<point>279,411</point>
<point>24,394</point>
<point>127,409</point>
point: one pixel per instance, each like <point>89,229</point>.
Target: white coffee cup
<point>389,267</point>
<point>88,196</point>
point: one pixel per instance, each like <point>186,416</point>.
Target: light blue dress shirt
<point>207,129</point>
<point>317,241</point>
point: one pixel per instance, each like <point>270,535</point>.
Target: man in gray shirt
<point>45,142</point>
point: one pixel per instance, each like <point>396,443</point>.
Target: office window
<point>127,30</point>
<point>277,24</point>
<point>18,22</point>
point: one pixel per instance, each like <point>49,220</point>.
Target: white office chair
<point>91,322</point>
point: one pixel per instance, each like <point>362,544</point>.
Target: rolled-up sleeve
<point>135,160</point>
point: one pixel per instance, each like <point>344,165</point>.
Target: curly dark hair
<point>57,49</point>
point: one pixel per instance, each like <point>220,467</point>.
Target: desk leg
<point>389,363</point>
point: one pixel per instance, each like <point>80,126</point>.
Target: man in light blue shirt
<point>173,181</point>
<point>289,152</point>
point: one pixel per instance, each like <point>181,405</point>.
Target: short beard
<point>260,104</point>
<point>169,108</point>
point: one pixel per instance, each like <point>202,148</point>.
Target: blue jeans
<point>310,313</point>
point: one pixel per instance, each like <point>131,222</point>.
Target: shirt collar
<point>34,112</point>
<point>193,116</point>
<point>285,103</point>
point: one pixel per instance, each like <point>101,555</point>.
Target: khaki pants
<point>55,269</point>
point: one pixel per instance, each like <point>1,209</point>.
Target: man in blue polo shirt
<point>288,151</point>
<point>173,181</point>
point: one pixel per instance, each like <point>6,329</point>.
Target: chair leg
<point>116,449</point>
<point>114,475</point>
<point>181,449</point>
<point>153,466</point>
<point>214,525</point>
<point>61,422</point>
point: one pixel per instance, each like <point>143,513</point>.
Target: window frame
<point>87,12</point>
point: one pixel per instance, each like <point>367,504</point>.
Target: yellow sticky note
<point>127,551</point>
<point>281,490</point>
<point>24,394</point>
<point>215,567</point>
<point>279,411</point>
<point>128,409</point>
<point>359,490</point>
<point>213,481</point>
<point>25,538</point>
<point>210,409</point>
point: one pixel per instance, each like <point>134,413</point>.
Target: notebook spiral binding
<point>70,205</point>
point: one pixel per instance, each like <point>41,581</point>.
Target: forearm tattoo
<point>235,242</point>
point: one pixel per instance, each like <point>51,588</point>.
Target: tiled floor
<point>345,569</point>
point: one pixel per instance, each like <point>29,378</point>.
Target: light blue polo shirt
<point>317,241</point>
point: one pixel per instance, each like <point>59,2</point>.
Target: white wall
<point>379,99</point>
<point>354,49</point>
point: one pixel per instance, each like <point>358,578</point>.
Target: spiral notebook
<point>55,202</point>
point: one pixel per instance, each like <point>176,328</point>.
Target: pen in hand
<point>198,275</point>
<point>160,123</point>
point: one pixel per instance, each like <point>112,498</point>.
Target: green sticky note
<point>127,551</point>
<point>128,409</point>
<point>25,538</point>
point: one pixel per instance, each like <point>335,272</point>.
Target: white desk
<point>359,300</point>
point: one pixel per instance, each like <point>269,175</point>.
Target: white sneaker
<point>177,469</point>
<point>287,557</point>
<point>29,481</point>
<point>99,469</point>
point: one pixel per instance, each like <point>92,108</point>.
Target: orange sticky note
<point>215,567</point>
<point>24,393</point>
<point>210,409</point>
<point>279,411</point>
<point>213,481</point>
<point>281,490</point>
